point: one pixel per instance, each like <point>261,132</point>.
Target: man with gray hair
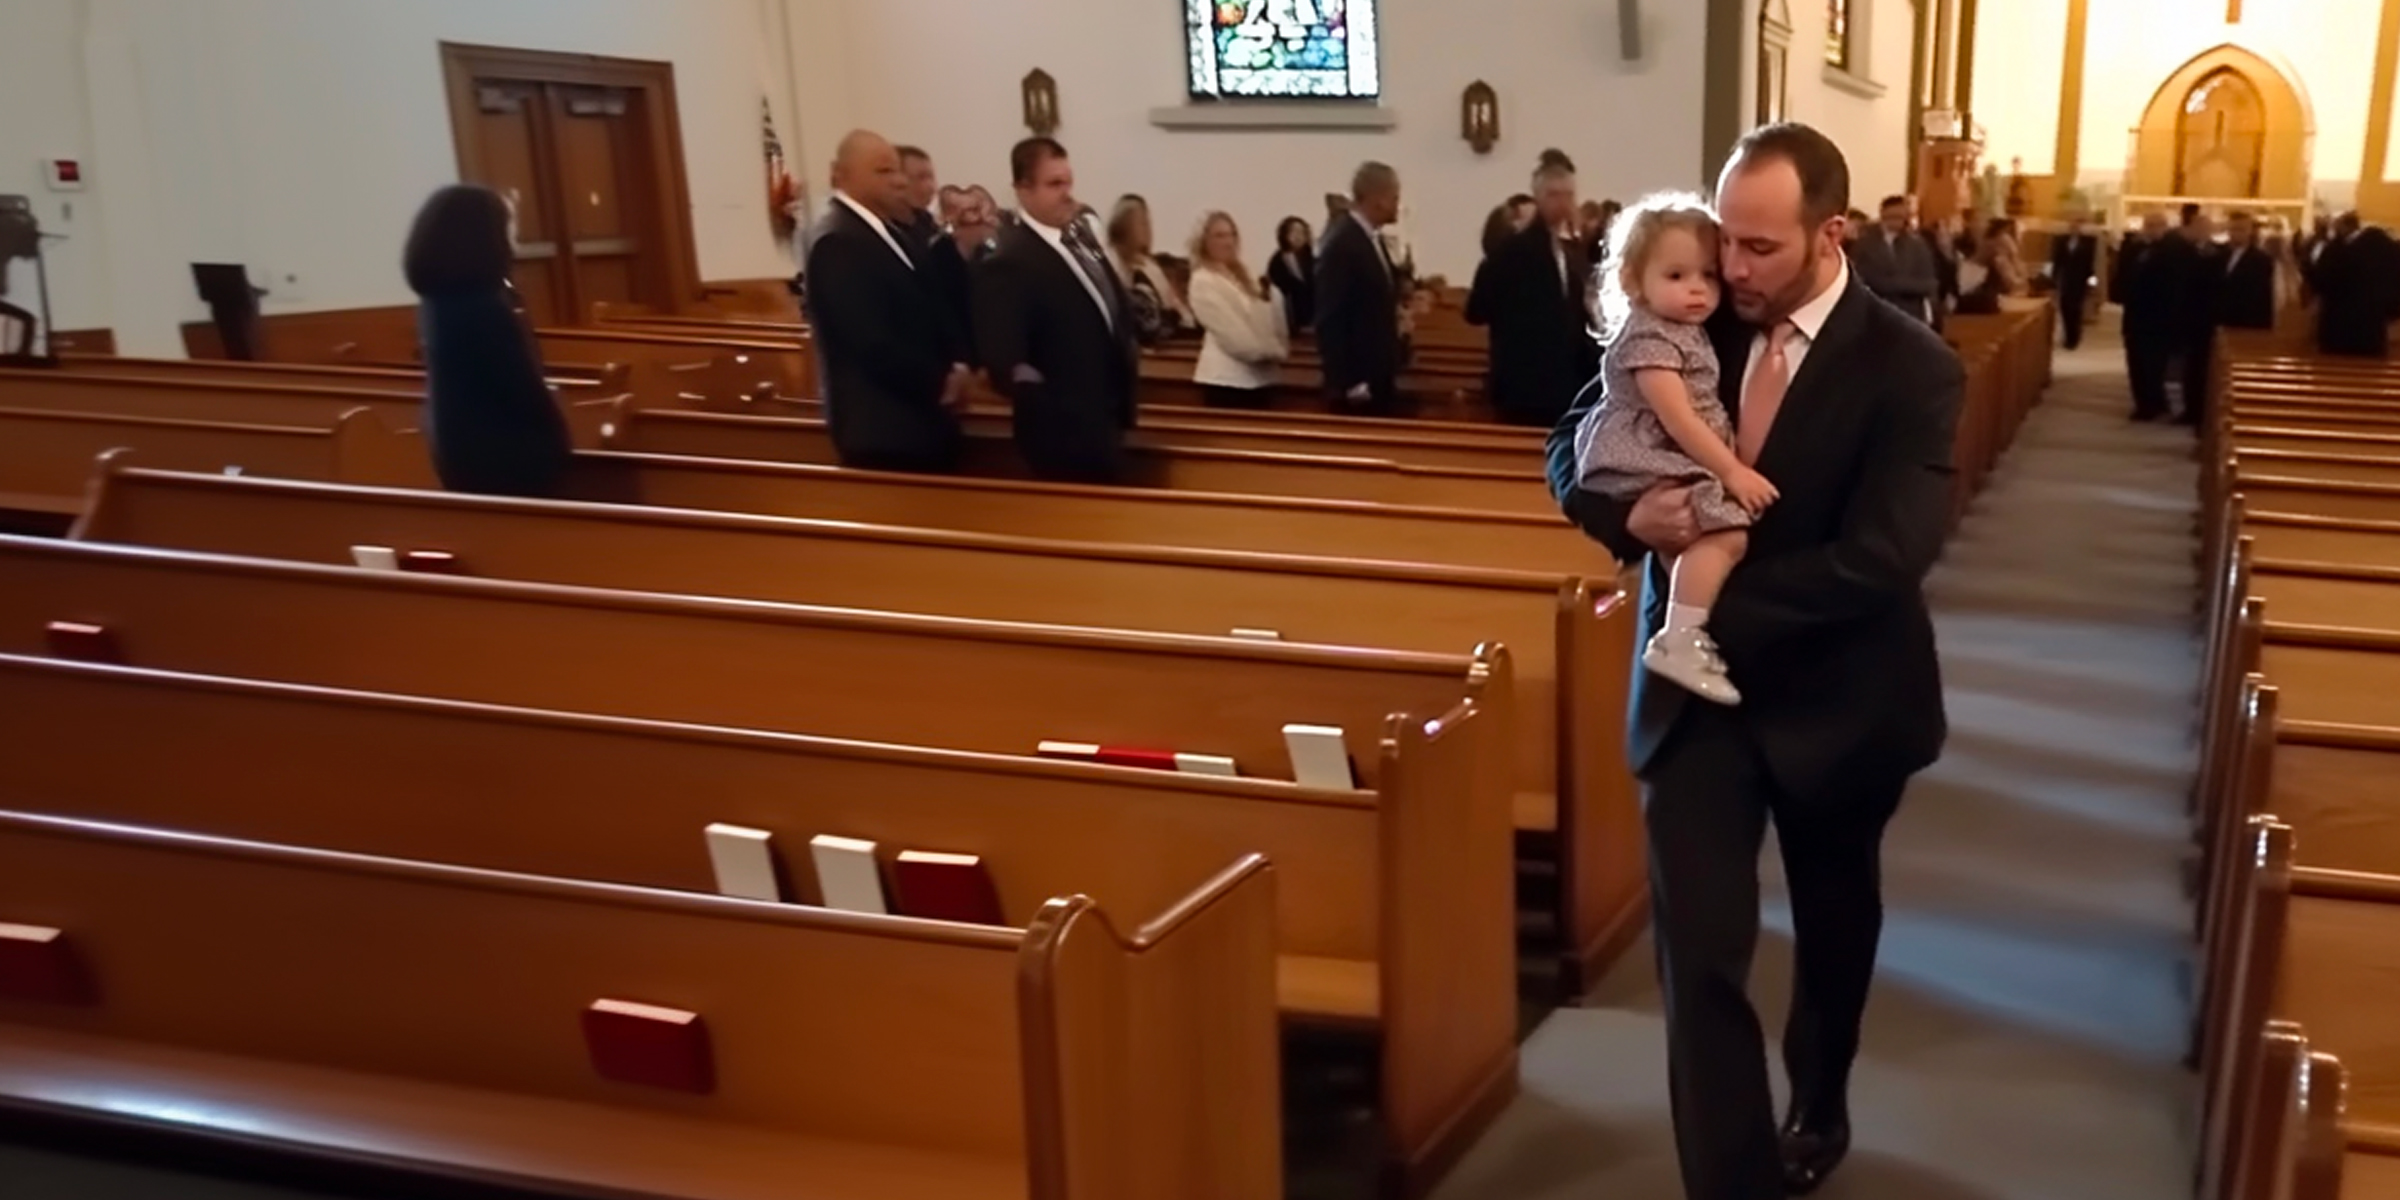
<point>1530,292</point>
<point>1358,299</point>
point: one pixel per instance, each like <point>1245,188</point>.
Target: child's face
<point>1680,280</point>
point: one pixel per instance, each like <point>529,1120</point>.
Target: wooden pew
<point>46,457</point>
<point>1571,639</point>
<point>1151,462</point>
<point>1112,515</point>
<point>1394,907</point>
<point>786,366</point>
<point>371,1009</point>
<point>574,380</point>
<point>2341,952</point>
<point>2302,538</point>
<point>1430,444</point>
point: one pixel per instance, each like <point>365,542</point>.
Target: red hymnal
<point>432,562</point>
<point>38,966</point>
<point>650,1046</point>
<point>80,642</point>
<point>946,887</point>
<point>1139,756</point>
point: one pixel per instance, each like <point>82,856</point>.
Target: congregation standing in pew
<point>1530,293</point>
<point>891,354</point>
<point>1159,309</point>
<point>1054,329</point>
<point>924,222</point>
<point>970,220</point>
<point>1853,410</point>
<point>1358,298</point>
<point>1246,338</point>
<point>490,421</point>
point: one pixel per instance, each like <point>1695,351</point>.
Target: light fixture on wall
<point>1040,95</point>
<point>1479,116</point>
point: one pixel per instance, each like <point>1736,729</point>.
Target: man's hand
<point>954,388</point>
<point>1663,520</point>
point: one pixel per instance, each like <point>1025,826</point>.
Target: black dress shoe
<point>1813,1145</point>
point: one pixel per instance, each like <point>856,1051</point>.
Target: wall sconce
<point>1479,116</point>
<point>1040,94</point>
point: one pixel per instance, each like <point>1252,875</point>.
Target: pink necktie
<point>1762,395</point>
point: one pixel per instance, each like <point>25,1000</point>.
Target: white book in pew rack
<point>745,863</point>
<point>1320,759</point>
<point>375,558</point>
<point>848,874</point>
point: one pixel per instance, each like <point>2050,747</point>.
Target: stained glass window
<point>1837,32</point>
<point>1283,48</point>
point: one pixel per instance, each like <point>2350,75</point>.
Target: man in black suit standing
<point>924,191</point>
<point>2190,266</point>
<point>2074,261</point>
<point>2145,283</point>
<point>1895,263</point>
<point>1530,292</point>
<point>2245,289</point>
<point>2357,294</point>
<point>1054,329</point>
<point>1850,406</point>
<point>893,361</point>
<point>1358,299</point>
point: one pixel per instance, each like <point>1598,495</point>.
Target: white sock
<point>1686,616</point>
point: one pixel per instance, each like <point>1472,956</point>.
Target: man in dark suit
<point>1896,264</point>
<point>2357,297</point>
<point>2245,288</point>
<point>2144,282</point>
<point>1054,327</point>
<point>924,190</point>
<point>1358,299</point>
<point>2188,264</point>
<point>2074,262</point>
<point>1850,407</point>
<point>892,359</point>
<point>1530,293</point>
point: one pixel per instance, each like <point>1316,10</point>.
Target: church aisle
<point>2027,1021</point>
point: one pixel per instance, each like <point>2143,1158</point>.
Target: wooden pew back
<point>46,457</point>
<point>373,1007</point>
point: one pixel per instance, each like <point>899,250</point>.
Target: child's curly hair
<point>1631,239</point>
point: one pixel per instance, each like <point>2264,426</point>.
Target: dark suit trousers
<point>2198,347</point>
<point>1707,798</point>
<point>2148,354</point>
<point>2070,314</point>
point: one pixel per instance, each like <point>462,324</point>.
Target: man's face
<point>1049,197</point>
<point>2198,229</point>
<point>1771,255</point>
<point>870,174</point>
<point>1554,201</point>
<point>2154,227</point>
<point>1895,219</point>
<point>1382,207</point>
<point>2242,232</point>
<point>923,186</point>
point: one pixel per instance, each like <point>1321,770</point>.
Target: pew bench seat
<point>464,1133</point>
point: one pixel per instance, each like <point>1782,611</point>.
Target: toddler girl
<point>1660,421</point>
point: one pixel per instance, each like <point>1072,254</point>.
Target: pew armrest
<point>1329,991</point>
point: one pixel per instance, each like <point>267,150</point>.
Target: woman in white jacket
<point>1243,318</point>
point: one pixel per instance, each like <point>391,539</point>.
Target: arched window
<point>2221,137</point>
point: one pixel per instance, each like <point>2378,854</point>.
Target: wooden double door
<point>586,148</point>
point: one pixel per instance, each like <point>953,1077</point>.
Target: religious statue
<point>2020,193</point>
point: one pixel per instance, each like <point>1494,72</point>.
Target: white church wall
<point>945,76</point>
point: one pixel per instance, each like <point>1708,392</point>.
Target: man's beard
<point>1783,304</point>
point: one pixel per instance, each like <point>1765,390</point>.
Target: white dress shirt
<point>1807,321</point>
<point>875,223</point>
<point>1058,241</point>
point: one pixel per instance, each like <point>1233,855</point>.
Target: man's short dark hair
<point>1519,200</point>
<point>1555,157</point>
<point>1028,156</point>
<point>1824,173</point>
<point>1894,201</point>
<point>909,154</point>
<point>2191,213</point>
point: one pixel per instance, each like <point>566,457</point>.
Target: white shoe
<point>1689,658</point>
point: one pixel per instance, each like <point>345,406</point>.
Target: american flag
<point>782,193</point>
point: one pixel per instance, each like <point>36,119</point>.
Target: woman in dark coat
<point>490,419</point>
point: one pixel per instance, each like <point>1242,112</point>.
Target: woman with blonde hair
<point>1243,319</point>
